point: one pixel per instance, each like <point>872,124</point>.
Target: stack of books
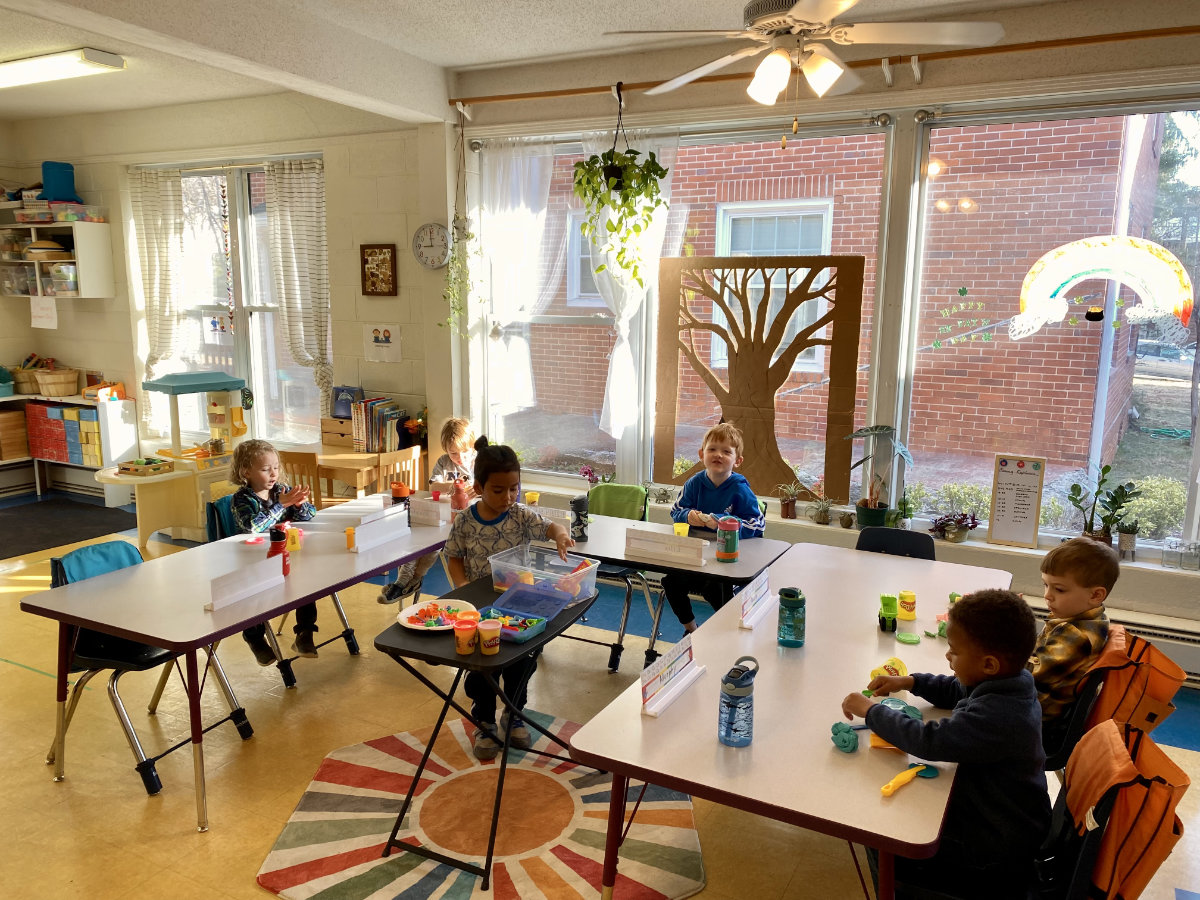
<point>377,426</point>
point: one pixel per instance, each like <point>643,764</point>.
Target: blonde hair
<point>244,455</point>
<point>727,432</point>
<point>457,434</point>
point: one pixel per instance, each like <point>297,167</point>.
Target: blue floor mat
<point>1182,728</point>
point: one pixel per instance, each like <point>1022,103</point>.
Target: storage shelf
<point>75,399</point>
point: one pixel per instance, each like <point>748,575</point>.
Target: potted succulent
<point>1110,504</point>
<point>788,494</point>
<point>872,509</point>
<point>954,527</point>
<point>904,511</point>
<point>1127,532</point>
<point>820,510</point>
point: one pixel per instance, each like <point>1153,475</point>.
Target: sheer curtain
<point>621,294</point>
<point>156,201</point>
<point>295,193</point>
<point>514,189</point>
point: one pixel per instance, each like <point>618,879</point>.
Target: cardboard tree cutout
<point>708,301</point>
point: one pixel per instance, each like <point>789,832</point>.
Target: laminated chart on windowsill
<point>655,546</point>
<point>244,582</point>
<point>379,527</point>
<point>756,600</point>
<point>665,680</point>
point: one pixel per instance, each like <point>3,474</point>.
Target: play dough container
<point>489,636</point>
<point>891,666</point>
<point>464,637</point>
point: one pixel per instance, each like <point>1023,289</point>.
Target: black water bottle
<point>579,518</point>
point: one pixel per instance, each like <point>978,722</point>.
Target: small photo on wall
<point>378,265</point>
<point>381,342</point>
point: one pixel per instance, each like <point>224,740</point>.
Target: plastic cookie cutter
<point>897,704</point>
<point>845,737</point>
<point>913,770</point>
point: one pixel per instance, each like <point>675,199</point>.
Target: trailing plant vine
<point>457,290</point>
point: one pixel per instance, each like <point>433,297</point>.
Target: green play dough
<point>907,637</point>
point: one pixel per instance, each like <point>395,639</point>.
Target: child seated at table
<point>999,810</point>
<point>716,492</point>
<point>262,502</point>
<point>495,523</point>
<point>456,461</point>
<point>1078,576</point>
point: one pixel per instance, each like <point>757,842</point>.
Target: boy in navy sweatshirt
<point>999,811</point>
<point>717,491</point>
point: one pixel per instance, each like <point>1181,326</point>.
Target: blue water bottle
<point>791,617</point>
<point>735,712</point>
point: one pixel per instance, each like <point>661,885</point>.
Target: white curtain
<point>156,200</point>
<point>295,194</point>
<point>514,192</point>
<point>620,292</point>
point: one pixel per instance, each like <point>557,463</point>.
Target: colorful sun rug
<point>549,843</point>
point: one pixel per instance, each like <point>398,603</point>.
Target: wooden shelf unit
<point>91,254</point>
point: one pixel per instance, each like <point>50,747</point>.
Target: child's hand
<point>856,705</point>
<point>700,520</point>
<point>563,541</point>
<point>882,685</point>
<point>295,496</point>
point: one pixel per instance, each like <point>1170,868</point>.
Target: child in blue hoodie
<point>715,492</point>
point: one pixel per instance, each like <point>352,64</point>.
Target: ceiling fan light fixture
<point>57,66</point>
<point>820,69</point>
<point>770,78</point>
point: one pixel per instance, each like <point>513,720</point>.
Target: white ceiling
<point>315,47</point>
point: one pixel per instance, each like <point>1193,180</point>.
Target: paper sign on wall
<point>1016,500</point>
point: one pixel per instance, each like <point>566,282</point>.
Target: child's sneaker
<point>262,650</point>
<point>399,589</point>
<point>485,746</point>
<point>304,646</point>
<point>519,737</point>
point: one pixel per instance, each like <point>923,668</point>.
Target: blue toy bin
<point>508,633</point>
<point>528,601</point>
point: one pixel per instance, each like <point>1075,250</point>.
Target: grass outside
<point>1163,403</point>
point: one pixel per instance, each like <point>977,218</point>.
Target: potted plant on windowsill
<point>820,510</point>
<point>873,508</point>
<point>1127,532</point>
<point>788,494</point>
<point>1102,510</point>
<point>954,527</point>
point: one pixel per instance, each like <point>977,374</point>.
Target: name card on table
<point>655,546</point>
<point>244,582</point>
<point>756,600</point>
<point>665,680</point>
<point>427,511</point>
<point>378,530</point>
<point>397,513</point>
<point>554,514</point>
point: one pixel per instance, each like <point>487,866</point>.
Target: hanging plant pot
<point>614,177</point>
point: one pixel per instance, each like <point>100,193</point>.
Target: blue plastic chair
<point>96,652</point>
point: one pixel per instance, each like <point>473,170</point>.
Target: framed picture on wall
<point>378,268</point>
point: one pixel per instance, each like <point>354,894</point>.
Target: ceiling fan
<point>790,30</point>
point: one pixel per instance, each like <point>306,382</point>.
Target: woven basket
<point>25,381</point>
<point>58,382</point>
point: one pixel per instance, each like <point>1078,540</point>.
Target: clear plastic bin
<point>78,212</point>
<point>528,564</point>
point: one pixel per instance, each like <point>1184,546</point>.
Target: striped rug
<point>549,845</point>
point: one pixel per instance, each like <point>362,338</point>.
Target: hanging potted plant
<point>620,194</point>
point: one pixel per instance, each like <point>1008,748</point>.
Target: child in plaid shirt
<point>1078,575</point>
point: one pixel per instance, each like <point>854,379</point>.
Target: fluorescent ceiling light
<point>821,69</point>
<point>57,66</point>
<point>770,78</point>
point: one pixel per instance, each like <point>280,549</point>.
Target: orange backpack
<point>1142,828</point>
<point>1139,682</point>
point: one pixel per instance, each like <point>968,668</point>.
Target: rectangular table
<point>403,644</point>
<point>161,602</point>
<point>792,772</point>
<point>606,542</point>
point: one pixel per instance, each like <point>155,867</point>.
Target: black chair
<point>220,524</point>
<point>895,541</point>
<point>96,652</point>
<point>1067,858</point>
<point>1059,742</point>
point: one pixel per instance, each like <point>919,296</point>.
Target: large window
<point>228,316</point>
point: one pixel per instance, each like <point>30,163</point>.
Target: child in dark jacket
<point>715,492</point>
<point>999,811</point>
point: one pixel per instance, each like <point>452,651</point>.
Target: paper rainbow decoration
<point>1152,271</point>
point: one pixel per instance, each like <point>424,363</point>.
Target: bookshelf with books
<point>377,426</point>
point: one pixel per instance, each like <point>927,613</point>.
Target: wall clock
<point>431,245</point>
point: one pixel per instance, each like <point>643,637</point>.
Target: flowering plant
<point>593,479</point>
<point>417,427</point>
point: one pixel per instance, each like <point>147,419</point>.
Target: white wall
<point>16,342</point>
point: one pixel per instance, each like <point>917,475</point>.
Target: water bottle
<point>278,547</point>
<point>579,518</point>
<point>729,529</point>
<point>735,711</point>
<point>791,617</point>
<point>458,498</point>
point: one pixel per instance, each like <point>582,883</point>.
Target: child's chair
<point>221,524</point>
<point>95,652</point>
<point>303,469</point>
<point>401,465</point>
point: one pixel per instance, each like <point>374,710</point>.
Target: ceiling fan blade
<point>824,11</point>
<point>949,34</point>
<point>708,31</point>
<point>687,77</point>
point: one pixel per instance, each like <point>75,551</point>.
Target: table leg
<point>612,842</point>
<point>193,689</point>
<point>66,645</point>
<point>887,875</point>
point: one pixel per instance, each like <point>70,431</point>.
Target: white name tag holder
<point>554,514</point>
<point>427,511</point>
<point>244,582</point>
<point>757,600</point>
<point>665,680</point>
<point>379,528</point>
<point>655,546</point>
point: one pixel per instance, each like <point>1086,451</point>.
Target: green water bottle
<point>791,617</point>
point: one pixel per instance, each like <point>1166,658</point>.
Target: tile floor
<point>98,836</point>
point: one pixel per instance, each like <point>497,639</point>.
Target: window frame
<point>576,299</point>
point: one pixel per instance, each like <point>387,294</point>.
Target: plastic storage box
<point>528,564</point>
<point>531,606</point>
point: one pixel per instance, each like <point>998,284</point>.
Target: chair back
<point>1139,681</point>
<point>401,465</point>
<point>1074,722</point>
<point>300,468</point>
<point>623,501</point>
<point>895,541</point>
<point>95,559</point>
<point>219,518</point>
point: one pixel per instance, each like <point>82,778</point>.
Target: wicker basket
<point>25,381</point>
<point>58,382</point>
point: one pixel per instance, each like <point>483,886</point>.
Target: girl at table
<point>496,523</point>
<point>261,503</point>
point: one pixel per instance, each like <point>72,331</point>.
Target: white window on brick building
<point>581,279</point>
<point>776,228</point>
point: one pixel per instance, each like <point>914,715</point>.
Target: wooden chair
<point>303,469</point>
<point>401,465</point>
